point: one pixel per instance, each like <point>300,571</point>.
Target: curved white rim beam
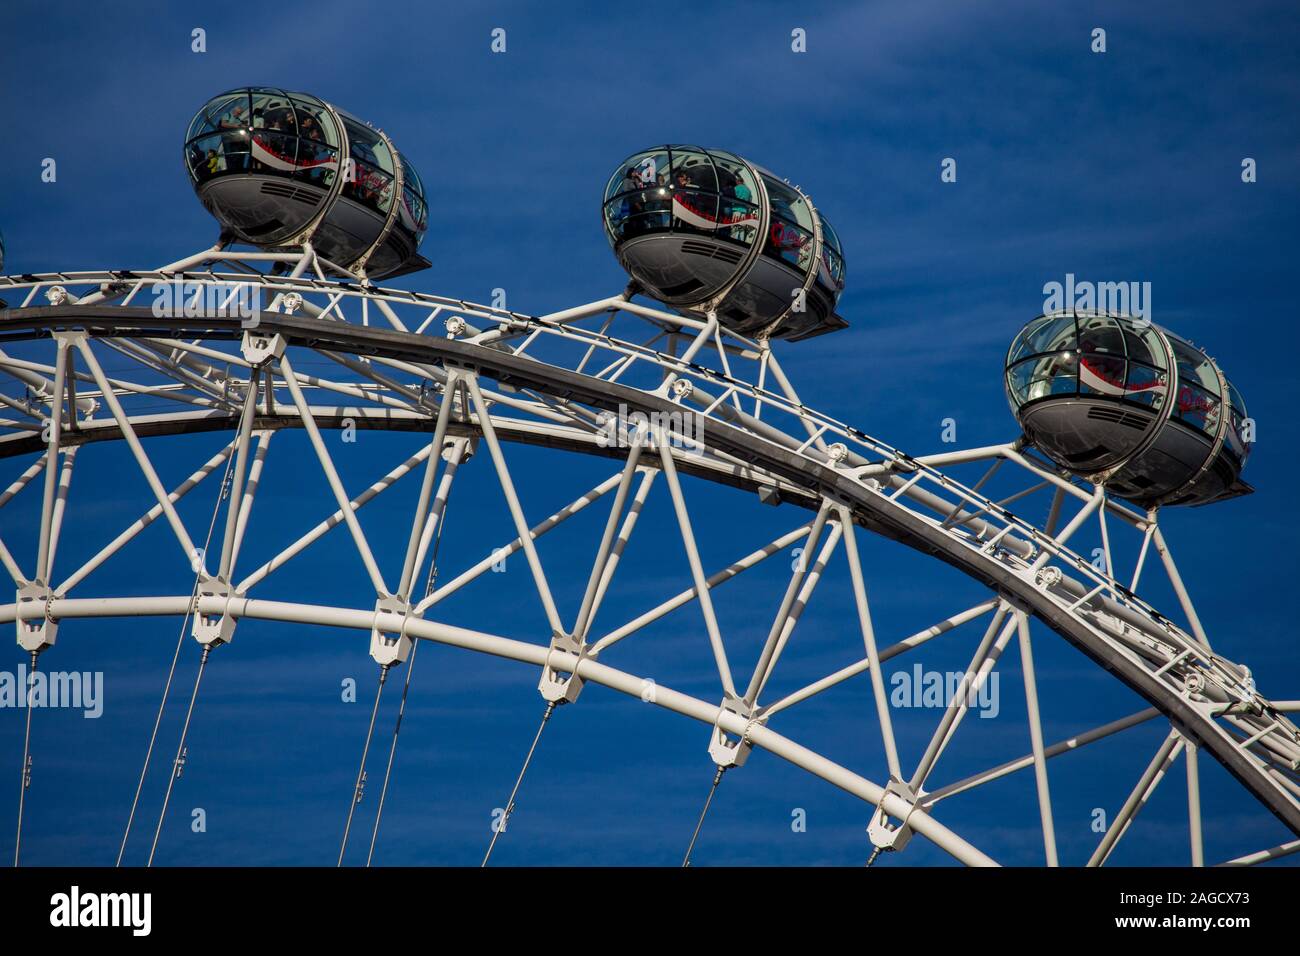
<point>537,655</point>
<point>1095,623</point>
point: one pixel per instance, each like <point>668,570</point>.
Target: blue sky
<point>1122,166</point>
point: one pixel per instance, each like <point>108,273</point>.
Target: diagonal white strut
<point>332,476</point>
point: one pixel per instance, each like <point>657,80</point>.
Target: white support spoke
<point>454,456</point>
<point>225,566</point>
<point>1146,785</point>
<point>1180,590</point>
<point>167,369</point>
<point>1263,856</point>
<point>788,390</point>
<point>332,476</point>
<point>853,670</point>
<point>7,559</point>
<point>60,506</point>
<point>1142,555</point>
<point>1067,487</point>
<point>791,618</point>
<point>412,396</point>
<point>52,460</point>
<point>1105,540</point>
<point>146,466</point>
<point>195,349</point>
<point>184,488</point>
<point>426,489</point>
<point>869,640</point>
<point>582,624</point>
<point>85,400</point>
<point>792,589</point>
<point>984,479</point>
<point>332,521</point>
<point>1064,746</point>
<point>1054,512</point>
<point>1093,503</point>
<point>356,391</point>
<point>701,339</point>
<point>22,409</point>
<point>512,502</point>
<point>965,455</point>
<point>702,591</point>
<point>986,655</point>
<point>685,597</point>
<point>22,480</point>
<point>1194,803</point>
<point>568,511</point>
<point>616,554</point>
<point>250,491</point>
<point>1036,738</point>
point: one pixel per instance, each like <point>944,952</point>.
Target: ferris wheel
<point>278,334</point>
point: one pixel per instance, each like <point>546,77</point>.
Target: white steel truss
<point>587,380</point>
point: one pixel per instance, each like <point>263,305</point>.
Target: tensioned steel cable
<point>510,804</point>
<point>358,788</point>
<point>178,763</point>
<point>406,688</point>
<point>25,778</point>
<point>717,779</point>
<point>171,674</point>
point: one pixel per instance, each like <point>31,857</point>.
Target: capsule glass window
<point>228,111</point>
<point>1145,385</point>
<point>222,153</point>
<point>1048,333</point>
<point>370,174</point>
<point>648,169</point>
<point>1101,356</point>
<point>1100,334</point>
<point>642,204</point>
<point>738,212</point>
<point>788,204</point>
<point>694,185</point>
<point>273,111</point>
<point>1043,376</point>
<point>415,210</point>
<point>622,181</point>
<point>1194,366</point>
<point>832,257</point>
<point>1198,408</point>
<point>789,234</point>
<point>692,169</point>
<point>1142,342</point>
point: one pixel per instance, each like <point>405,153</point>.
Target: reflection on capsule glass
<point>279,168</point>
<point>704,231</point>
<point>1109,396</point>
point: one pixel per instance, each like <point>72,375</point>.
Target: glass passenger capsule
<point>704,230</point>
<point>278,168</point>
<point>1116,398</point>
